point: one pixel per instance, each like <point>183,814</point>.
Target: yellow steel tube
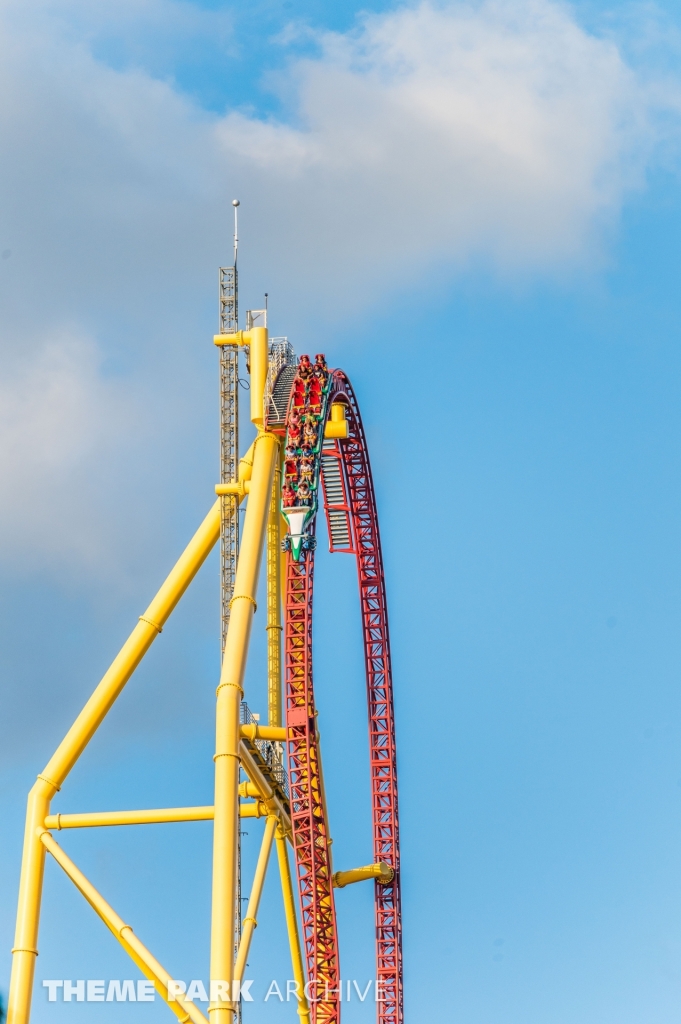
<point>259,362</point>
<point>246,464</point>
<point>256,339</point>
<point>292,926</point>
<point>263,787</point>
<point>148,964</point>
<point>261,784</point>
<point>25,948</point>
<point>235,338</point>
<point>238,488</point>
<point>250,922</point>
<point>152,817</point>
<point>135,647</point>
<point>283,567</point>
<point>274,626</point>
<point>72,746</point>
<point>242,485</point>
<point>229,693</point>
<point>248,789</point>
<point>337,425</point>
<point>257,809</point>
<point>255,731</point>
<point>382,871</point>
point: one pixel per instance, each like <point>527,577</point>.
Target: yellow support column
<point>274,626</point>
<point>230,692</point>
<point>25,948</point>
<point>292,926</point>
<point>72,746</point>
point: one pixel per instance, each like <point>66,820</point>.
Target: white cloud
<point>427,138</point>
<point>496,131</point>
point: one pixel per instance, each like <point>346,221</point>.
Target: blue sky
<point>474,209</point>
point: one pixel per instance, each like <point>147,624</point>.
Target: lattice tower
<point>229,504</point>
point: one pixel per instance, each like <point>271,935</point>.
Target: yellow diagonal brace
<point>250,922</point>
<point>292,926</point>
<point>184,1009</point>
<point>135,647</point>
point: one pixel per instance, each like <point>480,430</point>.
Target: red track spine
<point>367,546</point>
<point>308,813</point>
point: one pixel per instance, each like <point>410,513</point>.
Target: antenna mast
<point>235,204</point>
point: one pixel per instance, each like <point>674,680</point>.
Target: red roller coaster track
<point>353,528</point>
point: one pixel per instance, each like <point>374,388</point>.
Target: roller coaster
<point>310,451</point>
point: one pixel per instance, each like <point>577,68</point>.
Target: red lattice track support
<point>353,522</point>
<point>308,813</point>
<point>366,544</point>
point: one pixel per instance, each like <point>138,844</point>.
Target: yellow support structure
<point>139,642</point>
<point>274,626</point>
<point>248,789</point>
<point>255,731</point>
<point>230,692</point>
<point>381,871</point>
<point>250,922</point>
<point>257,809</point>
<point>98,818</point>
<point>264,790</point>
<point>148,964</point>
<point>256,478</point>
<point>237,747</point>
<point>72,746</point>
<point>292,926</point>
<point>256,340</point>
<point>336,425</point>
